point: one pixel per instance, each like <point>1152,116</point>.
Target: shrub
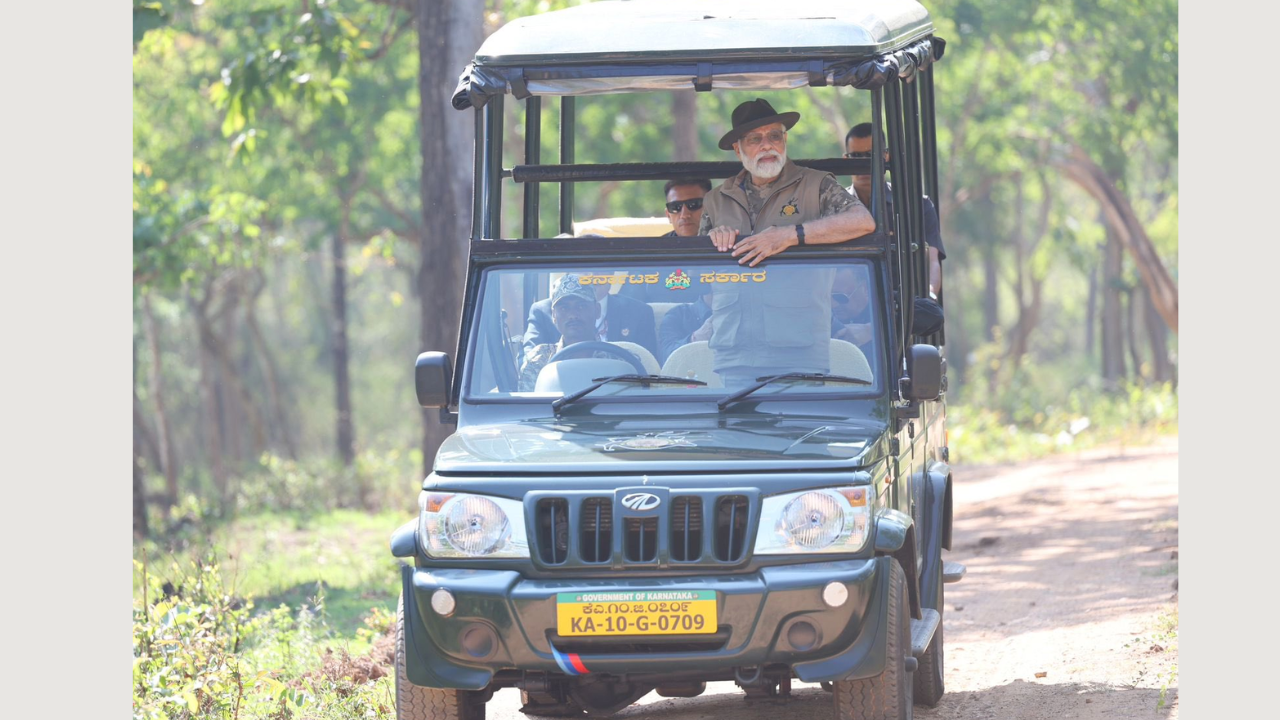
<point>1034,410</point>
<point>375,481</point>
<point>200,652</point>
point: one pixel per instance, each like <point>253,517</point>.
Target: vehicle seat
<point>660,310</point>
<point>647,359</point>
<point>694,360</point>
<point>848,360</point>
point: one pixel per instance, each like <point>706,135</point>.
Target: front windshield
<point>549,331</point>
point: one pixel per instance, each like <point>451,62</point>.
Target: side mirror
<point>924,370</point>
<point>433,378</point>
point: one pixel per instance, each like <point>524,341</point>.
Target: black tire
<point>927,682</point>
<point>887,696</point>
<point>414,702</point>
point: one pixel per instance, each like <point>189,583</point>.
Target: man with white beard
<point>783,323</point>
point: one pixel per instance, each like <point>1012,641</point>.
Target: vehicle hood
<point>630,446</point>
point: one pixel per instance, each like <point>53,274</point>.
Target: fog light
<point>442,602</point>
<point>478,641</point>
<point>802,636</point>
<point>834,594</point>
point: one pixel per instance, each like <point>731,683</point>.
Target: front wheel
<point>889,695</point>
<point>414,702</point>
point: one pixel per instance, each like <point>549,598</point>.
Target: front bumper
<point>755,611</point>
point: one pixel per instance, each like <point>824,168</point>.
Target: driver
<point>574,311</point>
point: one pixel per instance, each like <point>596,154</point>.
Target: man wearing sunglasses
<point>684,205</point>
<point>784,323</point>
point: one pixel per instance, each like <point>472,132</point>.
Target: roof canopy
<point>637,45</point>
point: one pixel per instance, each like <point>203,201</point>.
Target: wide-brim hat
<point>753,114</point>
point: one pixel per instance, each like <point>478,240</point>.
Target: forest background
<point>301,203</point>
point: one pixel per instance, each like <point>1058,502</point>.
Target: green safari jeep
<point>611,519</point>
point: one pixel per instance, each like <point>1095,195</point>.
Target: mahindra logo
<point>641,501</point>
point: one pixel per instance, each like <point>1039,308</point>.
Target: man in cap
<point>782,324</point>
<point>574,311</point>
<point>621,318</point>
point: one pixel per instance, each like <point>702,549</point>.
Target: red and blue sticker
<point>570,663</point>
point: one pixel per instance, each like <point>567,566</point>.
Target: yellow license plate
<point>644,612</point>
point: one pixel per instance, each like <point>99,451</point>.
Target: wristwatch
<point>800,233</point>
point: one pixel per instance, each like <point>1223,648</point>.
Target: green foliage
<point>1038,409</point>
<point>187,635</point>
<point>375,482</point>
<point>200,652</point>
<point>283,58</point>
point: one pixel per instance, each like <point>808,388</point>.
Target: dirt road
<point>1069,609</point>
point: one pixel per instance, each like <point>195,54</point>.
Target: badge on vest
<point>789,209</point>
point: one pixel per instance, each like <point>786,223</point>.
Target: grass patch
<point>337,561</point>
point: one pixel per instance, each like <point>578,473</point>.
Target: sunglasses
<point>775,137</point>
<point>676,206</point>
<point>858,155</point>
<point>840,298</point>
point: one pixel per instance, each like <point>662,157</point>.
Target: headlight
<point>832,520</point>
<point>459,525</point>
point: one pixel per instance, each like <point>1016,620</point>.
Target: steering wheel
<point>590,347</point>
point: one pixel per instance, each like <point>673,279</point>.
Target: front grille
<point>595,540</point>
<point>577,530</point>
<point>641,539</point>
<point>553,530</point>
<point>686,529</point>
<point>731,527</point>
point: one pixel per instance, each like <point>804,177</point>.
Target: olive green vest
<point>784,321</point>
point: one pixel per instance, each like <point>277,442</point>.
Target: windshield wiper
<point>763,381</point>
<point>645,380</point>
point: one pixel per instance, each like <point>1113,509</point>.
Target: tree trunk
<point>241,403</point>
<point>164,436</point>
<point>141,529</point>
<point>341,371</point>
<point>684,131</point>
<point>1017,342</point>
<point>1028,308</point>
<point>150,449</point>
<point>232,411</point>
<point>990,292</point>
<point>208,389</point>
<point>1113,369</point>
<point>1128,230</point>
<point>272,370</point>
<point>216,370</point>
<point>1158,337</point>
<point>449,32</point>
<point>1131,333</point>
<point>1091,312</point>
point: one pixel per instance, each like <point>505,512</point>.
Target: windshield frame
<point>484,272</point>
